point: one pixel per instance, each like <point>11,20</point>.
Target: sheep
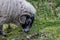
<point>19,12</point>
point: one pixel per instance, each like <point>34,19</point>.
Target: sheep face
<point>26,22</point>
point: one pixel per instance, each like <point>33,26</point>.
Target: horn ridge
<point>29,14</point>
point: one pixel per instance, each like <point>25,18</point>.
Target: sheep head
<point>26,20</point>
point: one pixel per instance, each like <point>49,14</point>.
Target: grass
<point>47,21</point>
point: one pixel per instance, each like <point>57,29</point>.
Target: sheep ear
<point>22,19</point>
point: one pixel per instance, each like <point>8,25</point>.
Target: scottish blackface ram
<point>19,12</point>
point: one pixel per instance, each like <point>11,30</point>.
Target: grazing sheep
<point>19,12</point>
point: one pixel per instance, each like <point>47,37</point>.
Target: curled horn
<point>28,14</point>
<point>23,17</point>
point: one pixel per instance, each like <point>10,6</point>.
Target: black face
<point>28,23</point>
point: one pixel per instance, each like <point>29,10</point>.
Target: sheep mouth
<point>27,29</point>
